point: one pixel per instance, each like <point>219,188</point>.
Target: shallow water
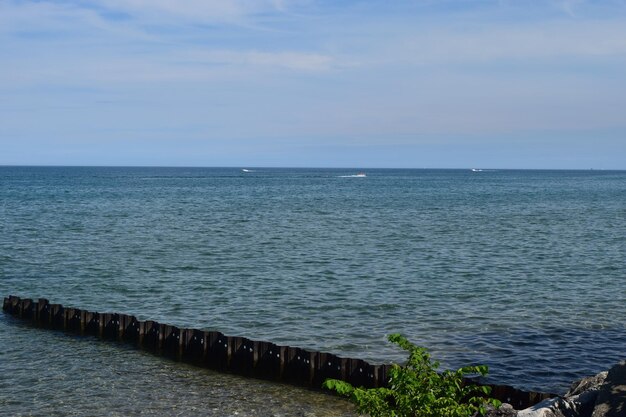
<point>47,373</point>
<point>521,270</point>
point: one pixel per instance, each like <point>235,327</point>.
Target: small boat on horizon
<point>359,174</point>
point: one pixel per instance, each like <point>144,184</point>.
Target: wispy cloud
<point>553,40</point>
<point>570,6</point>
<point>299,61</point>
<point>68,42</point>
<point>207,11</point>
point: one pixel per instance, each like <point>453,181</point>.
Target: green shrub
<point>418,390</point>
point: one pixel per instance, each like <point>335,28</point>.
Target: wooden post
<point>171,341</point>
<point>57,316</point>
<point>92,323</point>
<point>110,325</point>
<point>218,351</point>
<point>243,356</point>
<point>129,328</point>
<point>329,366</point>
<point>26,307</point>
<point>270,362</point>
<point>153,336</point>
<point>142,332</point>
<point>361,374</point>
<point>42,311</point>
<point>13,304</point>
<point>73,320</point>
<point>195,344</point>
<point>299,366</point>
<point>383,375</point>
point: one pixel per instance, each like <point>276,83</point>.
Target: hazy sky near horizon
<point>422,83</point>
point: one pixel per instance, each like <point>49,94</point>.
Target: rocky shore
<point>602,395</point>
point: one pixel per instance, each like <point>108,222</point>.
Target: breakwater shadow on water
<point>214,350</point>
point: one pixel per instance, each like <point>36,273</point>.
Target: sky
<point>251,83</point>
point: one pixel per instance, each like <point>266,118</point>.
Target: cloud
<point>491,43</point>
<point>194,66</point>
<point>549,39</point>
<point>289,60</point>
<point>570,6</point>
<point>207,11</point>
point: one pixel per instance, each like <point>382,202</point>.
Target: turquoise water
<point>521,270</point>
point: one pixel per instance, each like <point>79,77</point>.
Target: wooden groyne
<point>214,350</point>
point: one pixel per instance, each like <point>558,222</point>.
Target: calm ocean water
<point>520,270</point>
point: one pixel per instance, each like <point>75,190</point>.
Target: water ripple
<point>522,270</point>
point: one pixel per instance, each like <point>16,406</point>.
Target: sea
<point>521,270</point>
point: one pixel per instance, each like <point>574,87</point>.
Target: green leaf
<point>417,389</point>
<point>340,387</point>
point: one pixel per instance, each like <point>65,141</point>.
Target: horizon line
<point>302,167</point>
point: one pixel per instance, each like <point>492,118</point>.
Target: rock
<point>611,399</point>
<point>590,383</point>
<point>585,402</point>
<point>552,407</point>
<point>579,401</point>
<point>584,393</point>
<point>505,410</point>
<point>601,395</point>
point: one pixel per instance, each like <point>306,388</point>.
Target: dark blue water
<point>521,270</point>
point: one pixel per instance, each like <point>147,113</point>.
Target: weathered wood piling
<point>214,350</point>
